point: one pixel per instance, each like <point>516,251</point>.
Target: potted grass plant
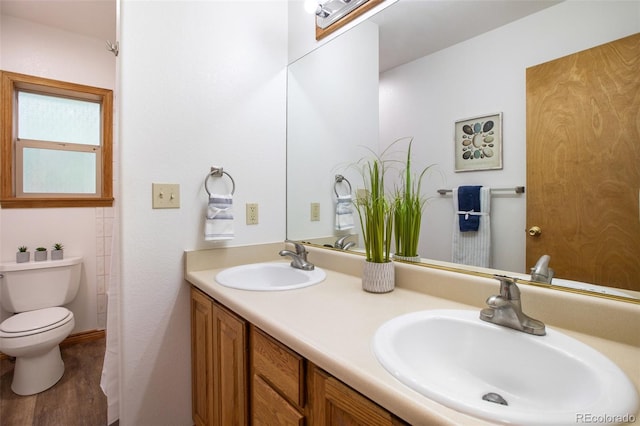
<point>375,211</point>
<point>40,254</point>
<point>58,252</point>
<point>407,211</point>
<point>22,255</point>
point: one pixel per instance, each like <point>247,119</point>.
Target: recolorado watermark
<point>605,418</point>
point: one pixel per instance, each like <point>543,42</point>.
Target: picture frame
<point>478,143</point>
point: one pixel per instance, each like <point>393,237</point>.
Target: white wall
<point>34,49</point>
<point>477,77</point>
<point>202,84</point>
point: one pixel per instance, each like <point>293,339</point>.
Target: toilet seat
<point>34,322</point>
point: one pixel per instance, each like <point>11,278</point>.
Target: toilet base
<point>35,374</point>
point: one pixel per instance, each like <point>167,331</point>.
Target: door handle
<point>535,231</point>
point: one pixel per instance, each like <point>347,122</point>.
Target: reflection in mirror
<point>423,98</point>
<point>332,15</point>
<point>333,105</point>
<point>596,185</point>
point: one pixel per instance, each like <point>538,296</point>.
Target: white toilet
<point>35,292</point>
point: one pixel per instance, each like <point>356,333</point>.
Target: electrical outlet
<point>252,213</point>
<point>362,194</point>
<point>165,195</point>
<point>315,212</point>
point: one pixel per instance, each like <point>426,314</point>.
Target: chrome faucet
<point>541,271</point>
<point>299,258</point>
<point>342,245</point>
<point>506,310</point>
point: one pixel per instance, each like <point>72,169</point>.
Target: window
<point>55,143</point>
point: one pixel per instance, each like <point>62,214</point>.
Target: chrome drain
<point>495,398</point>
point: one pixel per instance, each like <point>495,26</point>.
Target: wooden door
<point>583,164</point>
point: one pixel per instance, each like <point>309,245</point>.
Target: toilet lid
<point>35,320</point>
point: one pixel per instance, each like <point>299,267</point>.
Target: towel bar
<point>218,172</point>
<point>517,189</point>
<point>339,179</point>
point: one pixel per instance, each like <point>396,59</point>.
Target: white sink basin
<point>454,358</point>
<point>269,277</point>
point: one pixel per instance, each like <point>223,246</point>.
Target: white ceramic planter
<point>378,277</point>
<point>406,258</point>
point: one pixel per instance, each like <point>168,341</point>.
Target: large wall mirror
<point>389,78</point>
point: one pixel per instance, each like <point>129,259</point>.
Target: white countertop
<point>332,325</point>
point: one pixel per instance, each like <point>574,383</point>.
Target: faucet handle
<point>508,288</point>
<point>340,241</point>
<point>300,249</point>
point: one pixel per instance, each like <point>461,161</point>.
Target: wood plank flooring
<point>76,400</point>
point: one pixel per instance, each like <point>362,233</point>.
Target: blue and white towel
<point>344,213</point>
<point>472,247</point>
<point>218,224</point>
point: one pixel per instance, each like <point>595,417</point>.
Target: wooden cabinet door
<point>218,364</point>
<point>334,403</point>
<point>230,402</point>
<point>201,358</point>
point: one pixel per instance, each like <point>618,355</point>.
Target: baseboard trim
<point>84,336</point>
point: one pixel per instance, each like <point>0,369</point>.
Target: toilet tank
<point>35,285</point>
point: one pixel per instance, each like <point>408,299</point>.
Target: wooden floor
<point>76,400</point>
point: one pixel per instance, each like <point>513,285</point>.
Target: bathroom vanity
<point>304,356</point>
<point>284,388</point>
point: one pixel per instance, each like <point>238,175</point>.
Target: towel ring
<point>339,179</point>
<point>218,172</point>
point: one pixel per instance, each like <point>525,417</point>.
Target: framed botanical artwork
<point>478,143</point>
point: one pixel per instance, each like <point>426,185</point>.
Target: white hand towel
<point>344,213</point>
<point>473,247</point>
<point>218,224</point>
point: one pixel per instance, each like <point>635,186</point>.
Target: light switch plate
<point>166,195</point>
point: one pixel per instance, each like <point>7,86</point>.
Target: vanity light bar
<point>330,11</point>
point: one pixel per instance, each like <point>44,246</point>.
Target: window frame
<point>11,83</point>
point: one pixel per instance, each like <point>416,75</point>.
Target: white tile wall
<point>104,232</point>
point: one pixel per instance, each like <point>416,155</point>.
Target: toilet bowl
<point>35,293</point>
<point>33,338</point>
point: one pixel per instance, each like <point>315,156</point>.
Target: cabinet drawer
<point>269,408</point>
<point>279,366</point>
